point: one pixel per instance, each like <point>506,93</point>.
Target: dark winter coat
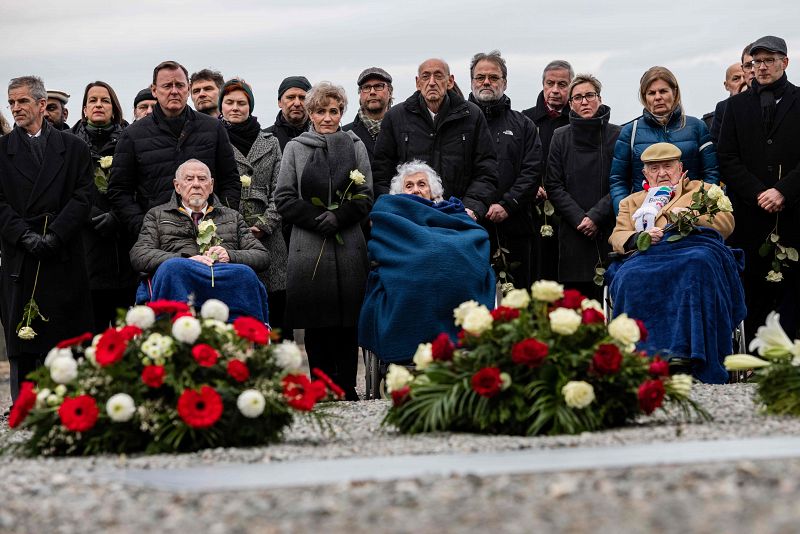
<point>458,146</point>
<point>148,154</point>
<point>577,185</point>
<point>60,190</point>
<point>716,122</point>
<point>285,131</point>
<point>361,131</point>
<point>545,124</point>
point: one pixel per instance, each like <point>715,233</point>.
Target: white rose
<point>26,333</point>
<point>288,356</point>
<point>546,230</point>
<point>516,298</point>
<point>624,329</point>
<point>120,407</point>
<point>578,394</point>
<point>681,384</point>
<point>424,356</point>
<point>397,377</point>
<point>478,320</point>
<point>591,303</point>
<point>547,291</point>
<point>106,162</point>
<point>186,329</point>
<point>246,180</point>
<point>564,321</point>
<point>461,312</point>
<point>57,353</point>
<point>63,370</point>
<point>773,276</point>
<point>141,316</point>
<point>214,309</point>
<point>357,177</point>
<point>724,204</point>
<point>251,403</point>
<point>715,192</point>
<point>41,397</point>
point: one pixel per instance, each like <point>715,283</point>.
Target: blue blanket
<point>430,258</point>
<point>689,296</point>
<point>237,286</point>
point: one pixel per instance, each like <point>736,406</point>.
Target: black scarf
<point>37,144</point>
<point>102,140</point>
<point>769,94</point>
<point>328,168</point>
<point>290,128</point>
<point>243,134</point>
<point>444,109</point>
<point>175,124</point>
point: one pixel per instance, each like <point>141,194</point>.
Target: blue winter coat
<point>699,156</point>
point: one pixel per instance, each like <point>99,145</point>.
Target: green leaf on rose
<point>791,254</point>
<point>643,241</point>
<point>317,202</point>
<point>676,237</point>
<point>548,208</point>
<point>764,250</point>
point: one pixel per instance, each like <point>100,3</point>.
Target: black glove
<point>51,245</point>
<point>31,242</point>
<point>327,223</point>
<point>104,224</point>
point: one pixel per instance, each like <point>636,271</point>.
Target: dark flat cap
<point>299,82</point>
<point>144,94</point>
<point>373,72</point>
<point>770,43</point>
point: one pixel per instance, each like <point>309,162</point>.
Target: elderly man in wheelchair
<point>687,291</point>
<point>195,246</point>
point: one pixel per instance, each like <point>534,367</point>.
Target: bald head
<point>734,79</point>
<point>433,82</point>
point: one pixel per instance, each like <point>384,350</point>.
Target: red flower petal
<point>75,340</point>
<point>238,370</point>
<point>26,400</point>
<point>487,382</point>
<point>153,376</point>
<point>78,414</point>
<point>200,409</point>
<point>251,329</point>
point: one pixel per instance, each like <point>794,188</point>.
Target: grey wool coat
<point>332,295</point>
<point>257,206</point>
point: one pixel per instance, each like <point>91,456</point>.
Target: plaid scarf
<point>372,126</point>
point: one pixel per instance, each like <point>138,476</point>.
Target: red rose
<point>75,340</point>
<point>78,414</point>
<point>607,360</point>
<point>167,306</point>
<point>129,332</point>
<point>505,314</point>
<point>592,316</point>
<point>401,396</point>
<point>25,402</point>
<point>659,367</point>
<point>178,315</point>
<point>238,370</point>
<point>200,409</point>
<point>530,352</point>
<point>487,382</point>
<point>642,330</point>
<point>110,347</point>
<point>153,375</point>
<point>205,355</point>
<point>442,348</point>
<point>572,299</point>
<point>251,329</point>
<point>301,393</point>
<point>651,395</point>
<point>339,392</point>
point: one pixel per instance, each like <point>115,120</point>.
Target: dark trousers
<point>762,297</point>
<point>21,366</point>
<point>106,302</point>
<point>277,313</point>
<point>518,257</point>
<point>545,253</point>
<point>334,350</point>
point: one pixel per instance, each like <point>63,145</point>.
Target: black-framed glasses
<point>767,62</point>
<point>493,78</point>
<point>374,87</point>
<point>589,97</point>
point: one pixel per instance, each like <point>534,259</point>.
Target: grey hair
<point>493,56</point>
<point>181,170</point>
<point>412,167</point>
<point>558,64</point>
<point>33,83</point>
<point>321,93</point>
<point>585,78</point>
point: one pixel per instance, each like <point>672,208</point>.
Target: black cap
<point>373,72</point>
<point>770,43</point>
<point>144,94</point>
<point>299,82</point>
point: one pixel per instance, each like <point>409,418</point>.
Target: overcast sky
<point>72,43</point>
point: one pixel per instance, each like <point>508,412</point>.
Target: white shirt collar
<point>190,210</point>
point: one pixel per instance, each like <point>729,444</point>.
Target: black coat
<point>61,190</point>
<point>546,124</point>
<point>716,120</point>
<point>361,131</point>
<point>577,185</point>
<point>285,131</point>
<point>458,147</point>
<point>148,154</point>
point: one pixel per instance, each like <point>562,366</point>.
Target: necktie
<point>196,216</point>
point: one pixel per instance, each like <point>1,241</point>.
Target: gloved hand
<point>31,242</point>
<point>327,223</point>
<point>104,224</point>
<point>51,244</point>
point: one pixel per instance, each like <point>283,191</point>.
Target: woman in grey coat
<point>325,191</point>
<point>258,156</point>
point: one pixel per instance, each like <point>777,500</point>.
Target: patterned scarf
<point>373,126</point>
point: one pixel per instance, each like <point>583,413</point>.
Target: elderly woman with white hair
<point>417,178</point>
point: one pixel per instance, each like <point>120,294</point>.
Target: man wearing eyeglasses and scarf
<point>374,98</point>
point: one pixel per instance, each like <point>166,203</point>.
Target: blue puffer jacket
<point>699,154</point>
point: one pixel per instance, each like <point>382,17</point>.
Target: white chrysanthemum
<point>214,309</point>
<point>724,204</point>
<point>547,291</point>
<point>141,316</point>
<point>578,394</point>
<point>681,384</point>
<point>251,403</point>
<point>288,356</point>
<point>424,356</point>
<point>478,320</point>
<point>461,312</point>
<point>41,397</point>
<point>57,353</point>
<point>772,342</point>
<point>397,377</point>
<point>517,298</point>
<point>63,370</point>
<point>152,347</point>
<point>186,329</point>
<point>624,329</point>
<point>715,192</point>
<point>591,303</point>
<point>564,321</point>
<point>120,407</point>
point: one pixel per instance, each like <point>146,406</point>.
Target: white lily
<point>772,342</point>
<point>742,362</point>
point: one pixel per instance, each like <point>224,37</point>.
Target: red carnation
<point>659,367</point>
<point>642,330</point>
<point>572,299</point>
<point>75,340</point>
<point>110,347</point>
<point>592,316</point>
<point>238,370</point>
<point>205,355</point>
<point>487,382</point>
<point>178,315</point>
<point>200,409</point>
<point>651,395</point>
<point>505,314</point>
<point>301,393</point>
<point>167,306</point>
<point>130,331</point>
<point>251,329</point>
<point>25,402</point>
<point>78,414</point>
<point>607,360</point>
<point>530,352</point>
<point>442,348</point>
<point>153,375</point>
<point>401,396</point>
<point>339,392</point>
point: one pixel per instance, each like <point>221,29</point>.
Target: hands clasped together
<point>212,255</point>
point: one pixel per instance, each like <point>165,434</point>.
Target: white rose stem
<point>322,248</point>
<point>35,278</point>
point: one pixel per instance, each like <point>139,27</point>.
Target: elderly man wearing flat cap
<point>759,160</point>
<point>667,190</point>
<point>292,119</point>
<point>143,104</point>
<point>56,111</point>
<point>374,98</point>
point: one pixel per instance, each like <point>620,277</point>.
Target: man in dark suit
<point>44,202</point>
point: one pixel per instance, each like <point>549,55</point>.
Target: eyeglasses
<point>767,62</point>
<point>438,76</point>
<point>374,87</point>
<point>589,97</point>
<point>493,78</point>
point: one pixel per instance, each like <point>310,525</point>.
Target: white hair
<point>181,170</point>
<point>413,167</point>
